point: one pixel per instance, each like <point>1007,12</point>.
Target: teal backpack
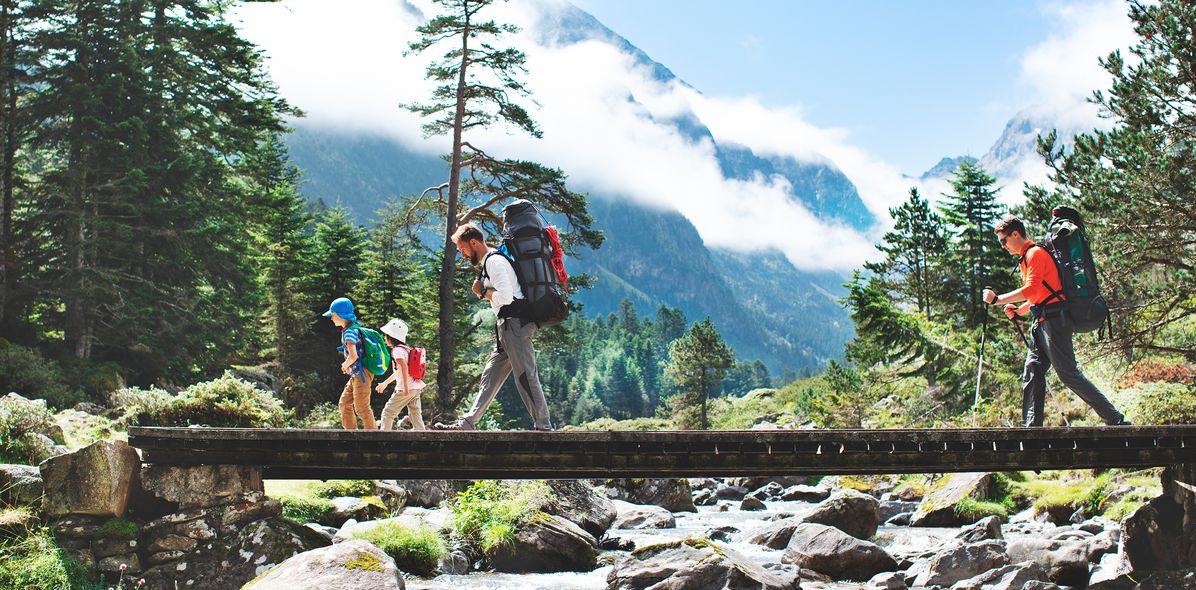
<point>374,355</point>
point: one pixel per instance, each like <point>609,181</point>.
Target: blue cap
<point>341,306</point>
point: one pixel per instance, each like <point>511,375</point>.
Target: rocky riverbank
<point>98,511</point>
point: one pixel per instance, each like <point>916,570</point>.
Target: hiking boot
<point>459,424</point>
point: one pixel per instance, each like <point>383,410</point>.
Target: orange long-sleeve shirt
<point>1038,271</point>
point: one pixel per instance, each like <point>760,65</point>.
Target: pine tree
<point>146,247</point>
<point>284,246</point>
<point>914,250</point>
<point>971,211</point>
<point>16,61</point>
<point>697,363</point>
<point>1133,183</point>
<point>479,85</point>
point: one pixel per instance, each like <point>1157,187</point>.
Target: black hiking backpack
<point>526,244</point>
<point>1067,242</point>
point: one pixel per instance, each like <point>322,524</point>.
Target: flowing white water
<point>896,540</point>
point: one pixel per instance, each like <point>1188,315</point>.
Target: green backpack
<point>374,355</point>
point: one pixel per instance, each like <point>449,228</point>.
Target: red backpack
<point>417,362</point>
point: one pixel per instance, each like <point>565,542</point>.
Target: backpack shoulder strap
<point>1056,294</point>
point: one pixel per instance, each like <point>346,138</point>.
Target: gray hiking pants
<point>1050,345</point>
<point>513,353</point>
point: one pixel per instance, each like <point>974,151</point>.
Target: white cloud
<point>603,116</point>
<point>1062,72</point>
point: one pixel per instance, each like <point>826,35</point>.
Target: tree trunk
<point>448,344</point>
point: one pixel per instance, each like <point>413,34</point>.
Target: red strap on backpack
<point>558,257</point>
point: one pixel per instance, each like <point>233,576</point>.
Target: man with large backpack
<point>1058,311</point>
<point>513,352</point>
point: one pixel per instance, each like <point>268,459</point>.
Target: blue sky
<point>913,81</point>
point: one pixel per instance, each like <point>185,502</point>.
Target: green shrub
<point>358,488</point>
<point>1163,403</point>
<point>145,407</point>
<point>27,372</point>
<point>36,562</point>
<point>225,402</point>
<point>325,415</point>
<point>19,424</point>
<point>487,514</point>
<point>305,510</point>
<point>417,551</point>
<point>632,424</point>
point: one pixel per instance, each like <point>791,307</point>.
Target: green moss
<point>364,561</point>
<point>852,482</point>
<point>417,550</point>
<point>117,528</point>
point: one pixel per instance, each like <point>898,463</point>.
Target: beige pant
<point>356,398</point>
<point>399,400</point>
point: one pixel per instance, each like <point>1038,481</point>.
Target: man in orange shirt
<point>1050,343</point>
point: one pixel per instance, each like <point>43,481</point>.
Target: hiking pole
<point>1020,331</point>
<point>980,361</point>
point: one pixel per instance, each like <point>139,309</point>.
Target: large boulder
<point>20,484</point>
<point>1178,580</point>
<point>849,511</point>
<point>347,566</point>
<point>431,493</point>
<point>97,479</point>
<point>673,495</point>
<point>203,485</point>
<point>960,562</point>
<point>345,508</point>
<point>547,544</point>
<point>776,534</point>
<point>832,552</point>
<point>985,529</point>
<point>229,562</point>
<point>635,516</point>
<point>1066,562</point>
<point>1161,535</point>
<point>1010,577</point>
<point>805,493</point>
<point>579,503</point>
<point>938,506</point>
<point>694,564</point>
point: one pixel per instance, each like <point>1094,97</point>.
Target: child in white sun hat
<point>408,374</point>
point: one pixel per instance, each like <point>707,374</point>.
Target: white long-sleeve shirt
<point>500,276</point>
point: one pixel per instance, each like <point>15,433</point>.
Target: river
<point>893,539</point>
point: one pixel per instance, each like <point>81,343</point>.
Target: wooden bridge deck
<point>341,454</point>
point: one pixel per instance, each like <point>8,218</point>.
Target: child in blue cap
<point>356,396</point>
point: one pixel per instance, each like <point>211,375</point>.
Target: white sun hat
<point>396,329</point>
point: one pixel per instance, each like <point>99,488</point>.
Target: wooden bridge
<point>342,454</point>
